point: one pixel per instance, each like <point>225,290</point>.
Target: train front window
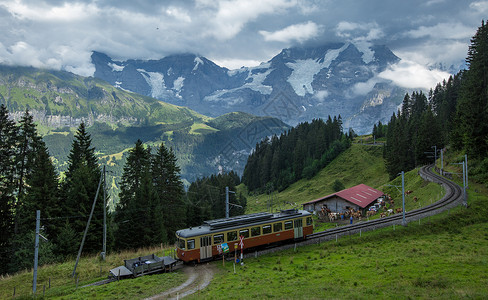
<point>309,221</point>
<point>266,229</point>
<point>288,225</point>
<point>181,244</point>
<point>191,244</point>
<point>218,239</point>
<point>255,231</point>
<point>244,233</point>
<point>231,236</point>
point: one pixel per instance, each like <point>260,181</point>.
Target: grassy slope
<point>442,257</point>
<point>359,164</point>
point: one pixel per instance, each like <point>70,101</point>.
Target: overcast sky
<point>61,34</point>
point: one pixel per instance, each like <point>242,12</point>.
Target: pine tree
<point>79,190</point>
<point>173,201</point>
<point>472,108</point>
<point>8,139</point>
<point>132,209</point>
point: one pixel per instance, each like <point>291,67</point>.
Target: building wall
<point>335,204</point>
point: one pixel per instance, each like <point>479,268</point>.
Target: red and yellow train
<point>196,244</point>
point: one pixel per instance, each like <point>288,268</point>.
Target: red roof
<point>361,195</point>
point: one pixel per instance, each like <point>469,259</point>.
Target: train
<point>214,238</point>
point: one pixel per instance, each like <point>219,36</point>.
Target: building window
<point>244,233</point>
<point>218,239</point>
<point>191,244</point>
<point>288,225</point>
<point>255,231</point>
<point>266,229</point>
<point>277,227</point>
<point>231,236</point>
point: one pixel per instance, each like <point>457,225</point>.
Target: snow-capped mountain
<point>296,85</point>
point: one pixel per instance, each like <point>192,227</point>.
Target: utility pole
<point>404,223</point>
<point>435,155</point>
<point>442,162</point>
<point>104,251</point>
<point>227,202</point>
<point>465,199</point>
<point>36,251</point>
<point>466,166</point>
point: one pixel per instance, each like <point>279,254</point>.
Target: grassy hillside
<point>358,164</point>
<point>443,256</point>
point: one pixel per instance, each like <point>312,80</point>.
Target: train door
<point>205,247</point>
<point>298,228</point>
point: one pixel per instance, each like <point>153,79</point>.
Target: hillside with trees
<point>298,153</point>
<point>455,114</point>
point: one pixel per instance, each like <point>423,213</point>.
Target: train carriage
<point>196,244</point>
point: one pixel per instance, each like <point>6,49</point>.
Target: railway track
<point>452,198</point>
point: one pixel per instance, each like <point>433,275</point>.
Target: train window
<point>181,244</point>
<point>309,221</point>
<point>218,239</point>
<point>266,229</point>
<point>244,233</point>
<point>231,236</point>
<point>191,244</point>
<point>277,227</point>
<point>255,231</point>
<point>288,225</point>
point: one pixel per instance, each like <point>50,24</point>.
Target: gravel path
<point>199,277</point>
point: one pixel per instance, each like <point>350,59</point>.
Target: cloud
<point>67,12</point>
<point>321,95</point>
<point>412,75</point>
<point>231,16</point>
<point>363,88</point>
<point>479,6</point>
<point>297,32</point>
<point>359,31</point>
<point>442,31</point>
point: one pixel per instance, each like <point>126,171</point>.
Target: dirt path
<point>199,277</point>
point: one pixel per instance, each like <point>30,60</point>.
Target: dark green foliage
<point>151,206</point>
<point>169,192</point>
<point>8,140</point>
<point>299,153</point>
<point>456,113</point>
<point>130,213</point>
<point>79,190</point>
<point>380,130</point>
<point>411,135</point>
<point>471,131</point>
<point>206,198</point>
<point>338,185</point>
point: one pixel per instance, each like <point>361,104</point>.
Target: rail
<point>452,198</point>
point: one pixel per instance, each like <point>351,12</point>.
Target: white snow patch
<point>257,81</point>
<point>333,54</point>
<point>155,81</point>
<point>304,71</point>
<point>178,83</point>
<point>364,47</point>
<point>115,67</point>
<point>198,61</point>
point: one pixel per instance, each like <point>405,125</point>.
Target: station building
<point>358,197</point>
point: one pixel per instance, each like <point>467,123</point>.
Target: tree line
<point>298,153</point>
<point>206,198</point>
<point>152,204</point>
<point>454,114</point>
